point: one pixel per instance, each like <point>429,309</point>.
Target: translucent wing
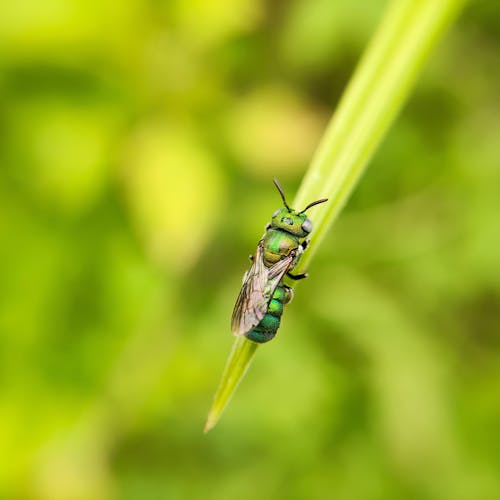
<point>258,287</point>
<point>251,304</point>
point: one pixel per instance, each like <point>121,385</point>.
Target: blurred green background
<point>138,141</point>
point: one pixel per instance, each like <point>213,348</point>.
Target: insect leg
<point>305,244</point>
<point>288,294</point>
<point>297,277</point>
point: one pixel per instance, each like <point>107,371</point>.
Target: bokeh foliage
<point>138,143</point>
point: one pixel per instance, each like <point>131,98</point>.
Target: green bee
<point>258,309</point>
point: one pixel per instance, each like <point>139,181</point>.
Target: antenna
<point>280,189</point>
<point>317,202</point>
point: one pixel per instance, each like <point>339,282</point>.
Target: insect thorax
<point>278,244</point>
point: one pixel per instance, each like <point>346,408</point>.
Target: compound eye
<point>276,213</point>
<point>307,225</point>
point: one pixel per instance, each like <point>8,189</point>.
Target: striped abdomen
<point>267,328</point>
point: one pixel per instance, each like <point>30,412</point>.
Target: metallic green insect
<point>258,309</point>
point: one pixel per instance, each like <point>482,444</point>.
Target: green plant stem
<point>382,81</point>
<point>237,364</point>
